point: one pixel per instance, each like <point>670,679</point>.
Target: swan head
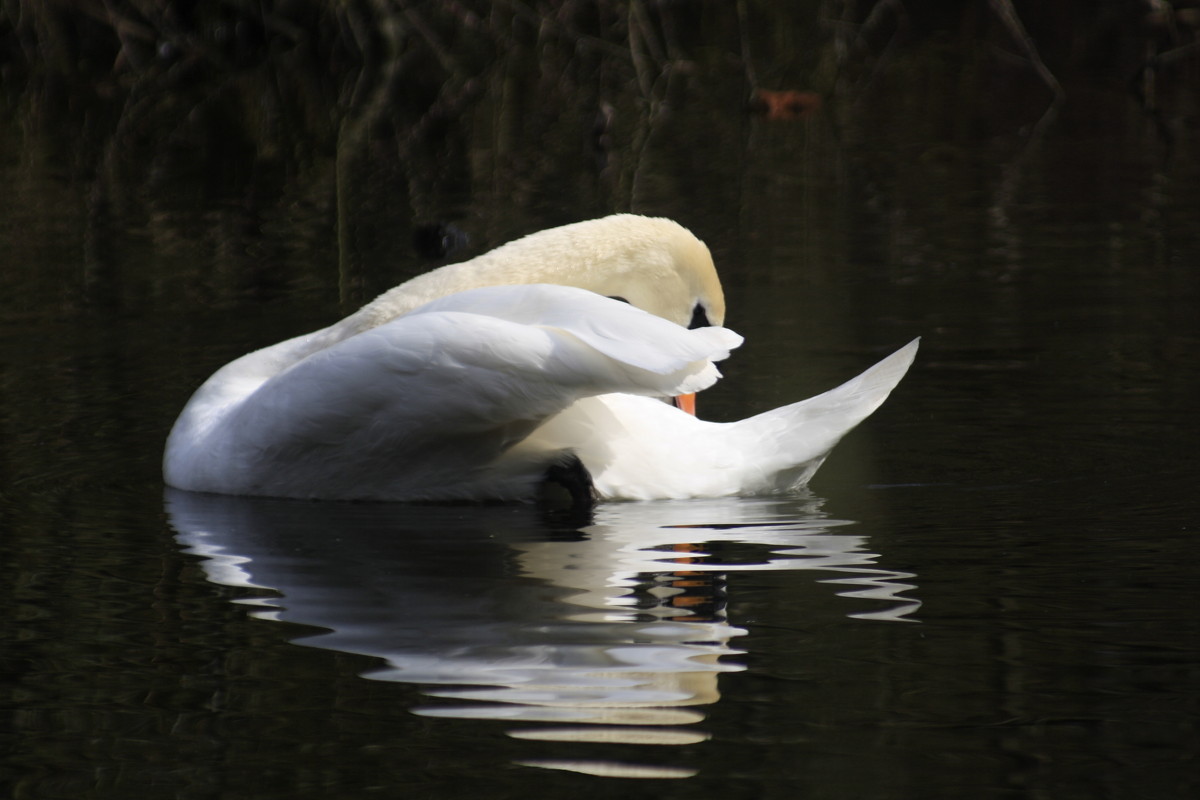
<point>661,267</point>
<point>652,263</point>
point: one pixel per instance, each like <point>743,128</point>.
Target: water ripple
<point>616,633</point>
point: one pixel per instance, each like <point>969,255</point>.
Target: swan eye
<point>617,297</point>
<point>699,318</point>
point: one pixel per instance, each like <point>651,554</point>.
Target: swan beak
<point>685,402</point>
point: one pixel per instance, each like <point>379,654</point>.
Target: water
<point>989,590</point>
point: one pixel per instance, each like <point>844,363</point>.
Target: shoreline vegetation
<point>430,52</point>
<point>302,106</point>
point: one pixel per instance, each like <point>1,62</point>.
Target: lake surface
<point>988,591</point>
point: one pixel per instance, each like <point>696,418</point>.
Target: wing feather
<point>425,403</point>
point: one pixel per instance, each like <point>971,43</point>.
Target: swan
<point>543,361</point>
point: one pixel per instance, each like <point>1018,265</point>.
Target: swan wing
<point>616,329</point>
<point>423,406</point>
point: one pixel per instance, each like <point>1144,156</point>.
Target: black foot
<point>567,489</point>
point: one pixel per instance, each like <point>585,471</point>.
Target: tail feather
<point>806,431</point>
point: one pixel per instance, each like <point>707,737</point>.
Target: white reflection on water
<point>614,633</point>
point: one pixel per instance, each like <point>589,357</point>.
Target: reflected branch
<point>1004,10</point>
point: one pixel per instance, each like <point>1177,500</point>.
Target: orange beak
<point>685,402</point>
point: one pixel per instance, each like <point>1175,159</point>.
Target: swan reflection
<point>615,633</point>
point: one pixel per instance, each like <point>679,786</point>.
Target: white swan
<point>480,380</point>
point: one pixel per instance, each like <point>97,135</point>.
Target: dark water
<point>989,591</point>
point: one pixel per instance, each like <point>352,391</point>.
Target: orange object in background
<point>785,104</point>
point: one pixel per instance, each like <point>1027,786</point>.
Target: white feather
<point>474,394</point>
<point>639,449</point>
